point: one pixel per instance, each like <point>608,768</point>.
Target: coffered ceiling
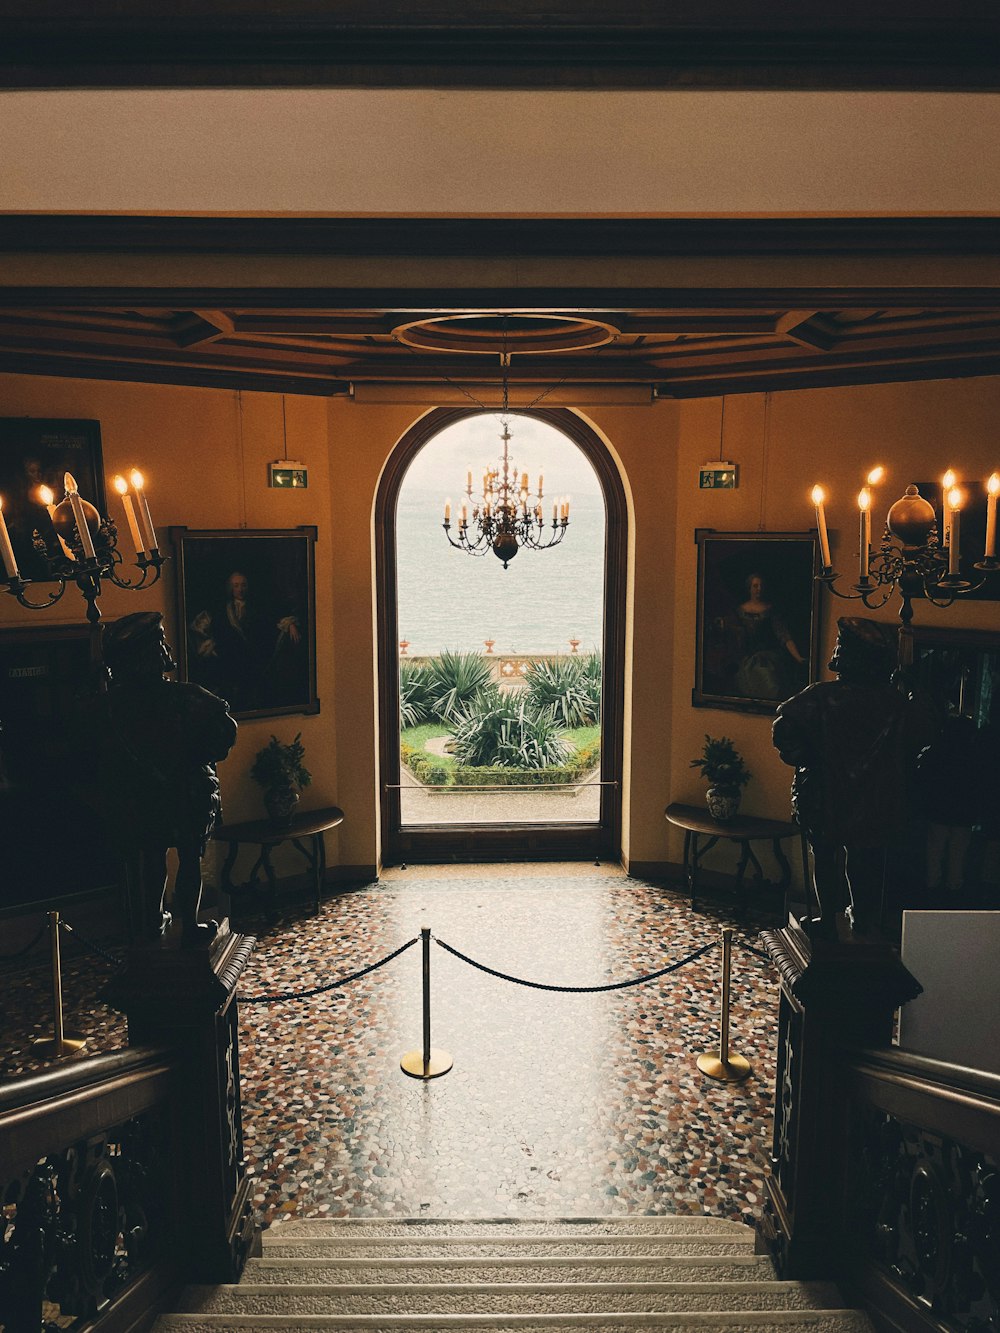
<point>676,352</point>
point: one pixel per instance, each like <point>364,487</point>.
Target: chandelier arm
<point>17,586</point>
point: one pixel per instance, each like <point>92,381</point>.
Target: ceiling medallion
<point>496,334</point>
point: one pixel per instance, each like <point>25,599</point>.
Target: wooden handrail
<point>54,1082</point>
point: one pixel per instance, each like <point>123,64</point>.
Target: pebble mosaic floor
<point>557,1105</point>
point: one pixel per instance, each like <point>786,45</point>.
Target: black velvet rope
<point>757,953</point>
<point>88,945</point>
<point>579,990</point>
<point>330,985</point>
<point>27,948</point>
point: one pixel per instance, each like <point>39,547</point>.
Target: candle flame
<point>948,480</point>
<point>818,495</point>
<point>993,485</point>
<point>136,478</point>
<point>876,475</point>
<point>69,483</point>
<point>1,502</point>
<point>955,498</point>
<point>47,495</point>
<point>864,498</point>
<point>120,485</point>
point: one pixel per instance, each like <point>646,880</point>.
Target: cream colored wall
<point>201,476</point>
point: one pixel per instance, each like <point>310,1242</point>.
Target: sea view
<point>449,599</point>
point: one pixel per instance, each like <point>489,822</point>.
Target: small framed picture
<point>247,617</point>
<point>758,599</point>
<point>34,453</point>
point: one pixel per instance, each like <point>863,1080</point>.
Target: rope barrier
<point>330,985</point>
<point>88,945</point>
<point>579,990</point>
<point>757,953</point>
<point>27,948</point>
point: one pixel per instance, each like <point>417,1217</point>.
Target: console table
<point>302,826</point>
<point>698,824</point>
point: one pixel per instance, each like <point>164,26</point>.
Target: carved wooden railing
<point>921,1194</point>
<point>86,1157</point>
<point>885,1165</point>
<point>125,1174</point>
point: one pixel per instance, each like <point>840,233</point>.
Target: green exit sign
<point>718,476</point>
<point>288,475</point>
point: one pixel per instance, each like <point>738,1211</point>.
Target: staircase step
<point>680,1224</point>
<point>526,1268</point>
<point>627,1297</point>
<point>667,1247</point>
<point>768,1321</point>
<point>735,1268</point>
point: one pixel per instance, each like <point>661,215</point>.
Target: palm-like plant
<point>416,694</point>
<point>592,680</point>
<point>455,680</point>
<point>502,729</point>
<point>562,687</point>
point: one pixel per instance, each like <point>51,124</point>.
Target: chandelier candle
<point>818,497</point>
<point>6,550</point>
<point>954,517</point>
<point>48,499</point>
<point>865,507</point>
<point>138,485</point>
<point>121,486</point>
<point>992,489</point>
<point>79,517</point>
<point>947,482</point>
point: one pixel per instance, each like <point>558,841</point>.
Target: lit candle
<point>79,517</point>
<point>468,481</point>
<point>138,485</point>
<point>48,498</point>
<point>566,515</point>
<point>864,508</point>
<point>121,486</point>
<point>818,497</point>
<point>465,512</point>
<point>6,550</point>
<point>555,512</point>
<point>541,478</point>
<point>992,489</point>
<point>524,481</point>
<point>876,476</point>
<point>447,511</point>
<point>947,483</point>
<point>954,505</point>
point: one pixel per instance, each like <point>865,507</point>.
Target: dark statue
<point>161,740</point>
<point>853,742</point>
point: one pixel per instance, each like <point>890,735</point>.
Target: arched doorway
<point>477,841</point>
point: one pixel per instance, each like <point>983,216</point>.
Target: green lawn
<point>581,736</point>
<point>419,736</point>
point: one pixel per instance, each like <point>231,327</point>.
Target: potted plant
<point>279,770</point>
<point>727,775</point>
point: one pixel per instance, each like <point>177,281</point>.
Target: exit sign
<point>288,475</point>
<point>718,476</point>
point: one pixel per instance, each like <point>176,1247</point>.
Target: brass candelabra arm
<point>872,593</point>
<point>16,587</point>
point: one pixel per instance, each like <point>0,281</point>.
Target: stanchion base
<point>59,1049</point>
<point>734,1070</point>
<point>413,1064</point>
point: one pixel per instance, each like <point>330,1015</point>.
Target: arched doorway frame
<point>482,842</point>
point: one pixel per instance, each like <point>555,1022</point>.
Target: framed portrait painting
<point>37,452</point>
<point>757,635</point>
<point>247,617</point>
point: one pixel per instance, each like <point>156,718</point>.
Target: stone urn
<point>723,803</point>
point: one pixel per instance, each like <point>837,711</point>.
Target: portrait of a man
<point>246,618</point>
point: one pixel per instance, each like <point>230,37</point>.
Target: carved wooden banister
<point>886,1164</point>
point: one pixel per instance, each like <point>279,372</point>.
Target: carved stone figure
<point>161,740</point>
<point>852,742</point>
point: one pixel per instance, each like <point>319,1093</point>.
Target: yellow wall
<point>202,474</point>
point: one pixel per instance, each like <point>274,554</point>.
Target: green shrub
<point>501,729</point>
<point>455,680</point>
<point>592,681</point>
<point>562,687</point>
<point>416,694</point>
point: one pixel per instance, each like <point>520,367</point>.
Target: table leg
<point>697,852</point>
<point>688,872</point>
<point>227,867</point>
<point>316,860</point>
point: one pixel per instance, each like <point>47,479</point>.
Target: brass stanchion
<point>427,1063</point>
<point>59,1044</point>
<point>727,1067</point>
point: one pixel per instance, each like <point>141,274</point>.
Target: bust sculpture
<point>161,740</point>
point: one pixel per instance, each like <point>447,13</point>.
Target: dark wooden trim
<point>566,43</point>
<point>460,237</point>
<point>483,842</point>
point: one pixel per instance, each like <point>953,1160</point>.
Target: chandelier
<point>506,516</point>
<point>913,557</point>
<point>78,546</point>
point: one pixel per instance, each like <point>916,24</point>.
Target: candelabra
<point>507,517</point>
<point>911,558</point>
<point>80,547</point>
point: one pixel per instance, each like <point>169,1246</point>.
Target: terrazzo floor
<point>557,1105</point>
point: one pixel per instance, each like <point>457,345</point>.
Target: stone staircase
<point>607,1274</point>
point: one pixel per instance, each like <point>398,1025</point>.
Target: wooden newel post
<point>833,996</point>
<point>186,998</point>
